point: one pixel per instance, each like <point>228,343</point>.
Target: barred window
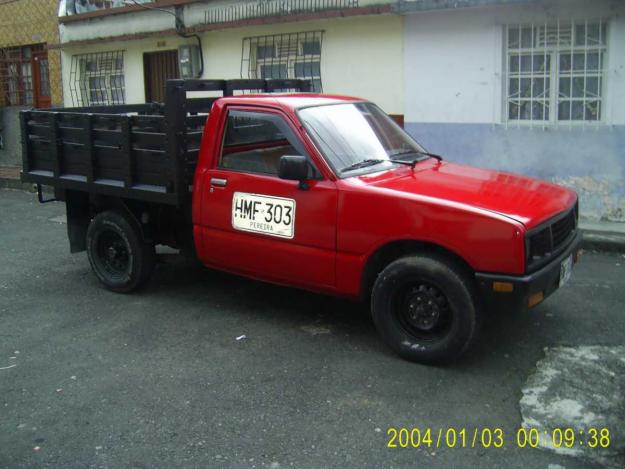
<point>16,75</point>
<point>97,79</point>
<point>555,72</point>
<point>290,55</point>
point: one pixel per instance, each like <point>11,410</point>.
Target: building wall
<point>453,78</point>
<point>24,22</point>
<point>11,149</point>
<point>442,69</point>
<point>361,56</point>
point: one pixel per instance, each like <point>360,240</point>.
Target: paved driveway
<point>89,378</point>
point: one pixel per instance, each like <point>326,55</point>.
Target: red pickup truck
<point>319,192</point>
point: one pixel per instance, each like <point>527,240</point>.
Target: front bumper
<point>528,290</point>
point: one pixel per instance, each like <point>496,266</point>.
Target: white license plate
<point>565,269</point>
<point>274,216</point>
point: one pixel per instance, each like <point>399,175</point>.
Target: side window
<point>254,142</point>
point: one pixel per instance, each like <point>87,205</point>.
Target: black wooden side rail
<point>139,151</point>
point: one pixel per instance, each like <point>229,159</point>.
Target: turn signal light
<point>534,299</point>
<point>503,287</point>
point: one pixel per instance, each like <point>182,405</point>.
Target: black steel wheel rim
<point>423,311</point>
<point>113,253</point>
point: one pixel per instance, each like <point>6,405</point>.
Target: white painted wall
<point>453,59</point>
<point>361,56</point>
<point>133,63</point>
<point>616,69</point>
<point>147,21</point>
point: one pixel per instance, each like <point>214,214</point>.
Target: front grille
<point>561,230</point>
<point>551,239</point>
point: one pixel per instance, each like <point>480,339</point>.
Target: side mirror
<point>293,168</point>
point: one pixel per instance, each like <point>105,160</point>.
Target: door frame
<point>40,101</point>
<point>147,86</point>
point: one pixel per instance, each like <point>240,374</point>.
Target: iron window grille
<point>97,79</point>
<point>16,75</point>
<point>555,72</point>
<point>289,55</point>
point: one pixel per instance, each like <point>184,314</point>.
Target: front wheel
<point>117,252</point>
<point>424,308</point>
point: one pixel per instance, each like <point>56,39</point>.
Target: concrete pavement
<point>89,378</point>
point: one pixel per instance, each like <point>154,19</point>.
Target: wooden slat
<point>89,152</point>
<point>282,84</point>
<point>39,130</point>
<point>106,122</point>
<point>176,113</point>
<point>126,148</point>
<point>55,151</point>
<point>41,117</point>
<point>155,194</point>
<point>71,134</point>
<point>148,123</point>
<point>115,109</point>
<point>70,119</point>
<point>202,85</point>
<point>107,137</point>
<point>151,167</point>
<point>193,139</point>
<point>243,84</point>
<point>73,162</point>
<point>196,121</point>
<point>26,165</point>
<point>109,163</point>
<point>148,140</point>
<point>40,156</point>
<point>200,104</point>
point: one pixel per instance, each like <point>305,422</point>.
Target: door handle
<point>220,182</point>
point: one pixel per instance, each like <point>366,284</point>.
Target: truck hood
<point>527,200</point>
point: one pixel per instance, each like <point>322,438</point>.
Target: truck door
<point>258,224</point>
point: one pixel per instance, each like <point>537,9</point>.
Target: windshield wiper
<point>431,155</point>
<point>374,161</point>
<point>363,164</point>
<point>417,152</point>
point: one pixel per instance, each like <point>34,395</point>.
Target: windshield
<point>354,136</point>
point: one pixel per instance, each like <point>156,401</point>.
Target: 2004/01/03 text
<point>487,437</point>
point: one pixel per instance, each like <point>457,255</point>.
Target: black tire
<point>118,255</point>
<point>424,308</point>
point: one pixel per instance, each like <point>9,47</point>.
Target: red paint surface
<point>480,215</point>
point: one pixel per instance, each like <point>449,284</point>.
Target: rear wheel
<point>424,308</point>
<point>118,254</point>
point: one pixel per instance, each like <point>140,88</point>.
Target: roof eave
<point>415,6</point>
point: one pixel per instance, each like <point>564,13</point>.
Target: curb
<point>10,179</point>
<point>15,184</point>
<point>599,241</point>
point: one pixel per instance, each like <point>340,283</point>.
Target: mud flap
<point>77,209</point>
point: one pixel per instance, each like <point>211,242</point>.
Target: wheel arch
<point>82,207</point>
<point>124,208</point>
<point>393,250</point>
